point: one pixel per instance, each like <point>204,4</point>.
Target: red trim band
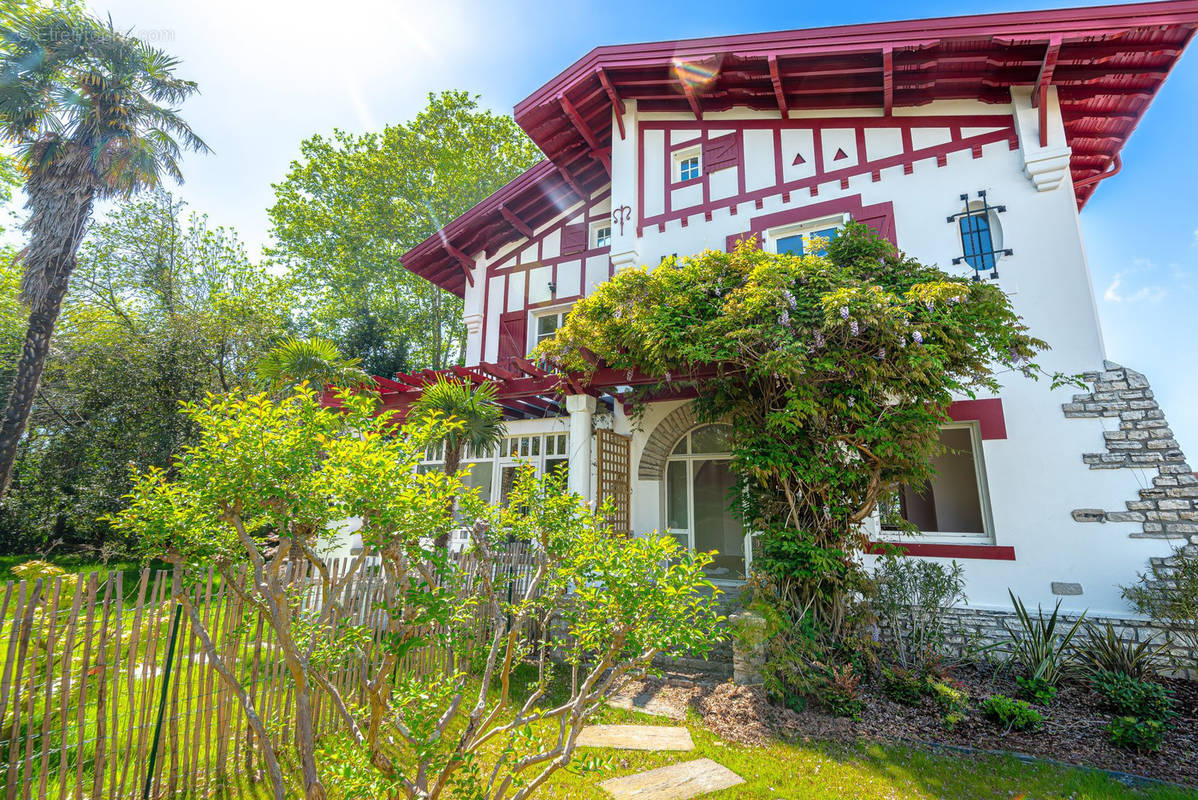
<point>987,412</point>
<point>990,552</point>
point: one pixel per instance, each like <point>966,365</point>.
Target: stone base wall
<point>973,628</point>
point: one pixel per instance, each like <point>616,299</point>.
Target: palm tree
<point>480,421</point>
<point>317,361</point>
<point>90,112</point>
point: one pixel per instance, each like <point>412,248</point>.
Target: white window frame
<point>597,238</point>
<point>549,446</point>
<point>689,458</point>
<point>683,155</point>
<point>952,537</point>
<point>534,333</point>
<point>804,229</point>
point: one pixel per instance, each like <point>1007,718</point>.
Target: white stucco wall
<point>1035,475</point>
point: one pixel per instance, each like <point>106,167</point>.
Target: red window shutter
<point>512,338</point>
<point>574,238</point>
<point>721,152</point>
<point>882,224</point>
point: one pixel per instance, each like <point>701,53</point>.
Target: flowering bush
<point>835,372</point>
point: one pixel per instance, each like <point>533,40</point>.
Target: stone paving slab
<point>636,737</point>
<point>675,782</point>
<point>646,703</point>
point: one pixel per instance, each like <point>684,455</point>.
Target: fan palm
<point>90,113</point>
<point>480,421</point>
<point>317,361</point>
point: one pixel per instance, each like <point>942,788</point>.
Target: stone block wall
<point>1169,508</point>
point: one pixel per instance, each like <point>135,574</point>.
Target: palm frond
<point>317,361</point>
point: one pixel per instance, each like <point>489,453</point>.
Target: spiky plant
<point>91,114</point>
<point>480,420</point>
<point>315,361</point>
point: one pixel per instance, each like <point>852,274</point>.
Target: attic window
<point>800,239</point>
<point>601,235</point>
<point>688,164</point>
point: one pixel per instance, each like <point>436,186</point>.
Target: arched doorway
<point>698,482</point>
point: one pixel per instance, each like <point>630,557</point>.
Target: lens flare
<point>696,73</point>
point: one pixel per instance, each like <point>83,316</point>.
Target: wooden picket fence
<point>86,661</point>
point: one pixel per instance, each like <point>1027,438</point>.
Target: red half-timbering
<point>879,217</point>
<point>1106,62</point>
<point>806,153</point>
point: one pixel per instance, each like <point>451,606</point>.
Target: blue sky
<point>273,72</point>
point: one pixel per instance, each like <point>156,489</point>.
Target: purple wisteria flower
<point>844,312</point>
<point>852,401</point>
<point>854,327</point>
<point>819,339</point>
<point>881,352</point>
<point>917,337</point>
<point>785,318</point>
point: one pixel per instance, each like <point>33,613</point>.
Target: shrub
<point>903,685</point>
<point>1037,690</point>
<point>1127,696</point>
<point>952,700</point>
<point>1012,714</point>
<point>1037,648</point>
<point>910,603</point>
<point>253,498</point>
<point>840,692</point>
<point>1141,735</point>
<point>1168,594</point>
<point>1105,650</point>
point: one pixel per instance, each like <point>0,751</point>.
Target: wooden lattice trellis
<point>614,470</point>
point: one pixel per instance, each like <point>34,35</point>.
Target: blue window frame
<point>791,244</point>
<point>797,243</point>
<point>688,168</point>
<point>976,242</point>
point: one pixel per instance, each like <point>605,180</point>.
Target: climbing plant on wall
<point>835,372</point>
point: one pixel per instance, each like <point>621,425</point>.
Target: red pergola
<point>1107,64</point>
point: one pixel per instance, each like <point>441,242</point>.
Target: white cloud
<point>1143,282</point>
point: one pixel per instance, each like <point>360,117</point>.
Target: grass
<point>864,770</point>
<point>77,563</point>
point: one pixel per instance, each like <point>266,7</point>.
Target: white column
<point>581,408</point>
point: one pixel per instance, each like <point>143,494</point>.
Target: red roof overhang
<point>1107,63</point>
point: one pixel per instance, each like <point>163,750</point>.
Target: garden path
<point>674,782</point>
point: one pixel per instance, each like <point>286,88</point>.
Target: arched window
<point>698,486</point>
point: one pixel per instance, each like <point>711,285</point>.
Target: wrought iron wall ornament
<point>977,241</point>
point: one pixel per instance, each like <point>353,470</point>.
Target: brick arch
<point>662,441</point>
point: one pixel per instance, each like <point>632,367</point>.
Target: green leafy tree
<point>478,421</point>
<point>352,205</point>
<point>164,309</point>
<point>316,361</point>
<point>834,371</point>
<point>91,112</point>
<point>286,471</point>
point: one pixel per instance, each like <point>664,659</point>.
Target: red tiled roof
<point>1107,64</point>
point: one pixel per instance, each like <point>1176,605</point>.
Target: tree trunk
<point>60,211</point>
<point>453,463</point>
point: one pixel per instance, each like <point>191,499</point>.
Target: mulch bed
<point>1074,729</point>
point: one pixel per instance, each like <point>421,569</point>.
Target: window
<point>800,239</point>
<point>955,503</point>
<point>545,452</point>
<point>548,324</point>
<point>698,495</point>
<point>688,164</point>
<point>976,242</point>
<point>601,235</point>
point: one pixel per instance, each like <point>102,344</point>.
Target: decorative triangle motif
<point>798,160</point>
<point>840,154</point>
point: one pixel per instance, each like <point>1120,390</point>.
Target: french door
<point>698,488</point>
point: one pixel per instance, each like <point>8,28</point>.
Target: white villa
<point>970,142</point>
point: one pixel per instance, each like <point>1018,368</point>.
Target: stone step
<point>636,737</point>
<point>675,782</point>
<point>645,703</point>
